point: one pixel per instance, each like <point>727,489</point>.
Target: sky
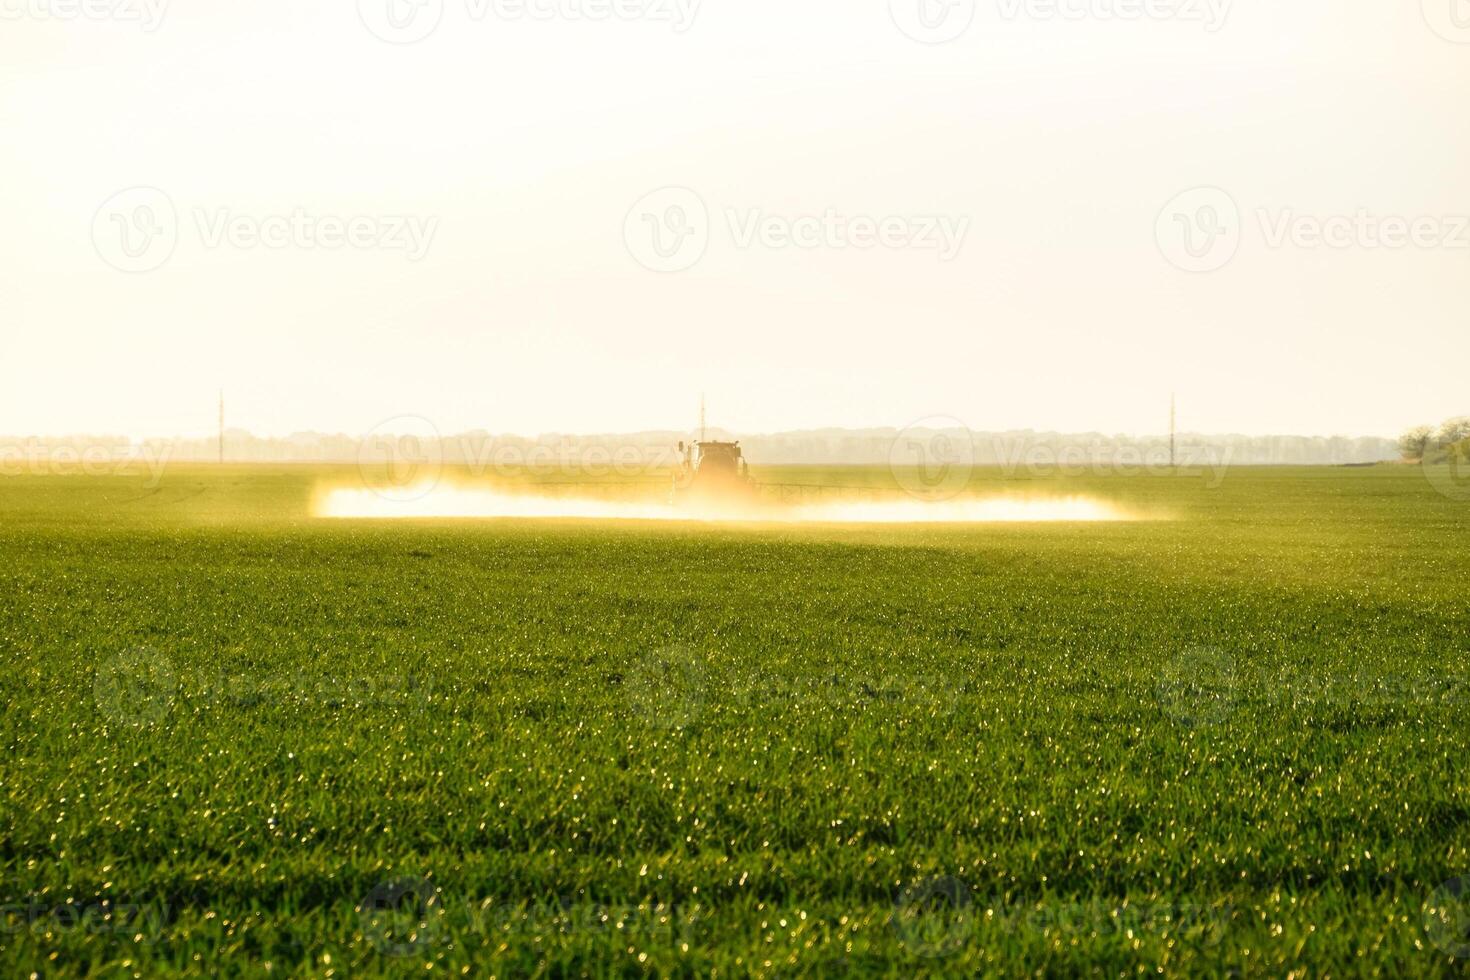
<point>538,216</point>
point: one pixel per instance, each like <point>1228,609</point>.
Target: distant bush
<point>1454,431</point>
<point>1414,442</point>
<point>1451,441</point>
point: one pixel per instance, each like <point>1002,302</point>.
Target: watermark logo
<point>1450,19</point>
<point>402,917</point>
<point>136,230</point>
<point>1447,918</point>
<point>933,21</point>
<point>1199,687</point>
<point>667,689</point>
<point>1450,475</point>
<point>934,458</point>
<point>668,230</point>
<point>402,459</point>
<point>146,13</point>
<point>136,688</point>
<point>1199,230</point>
<point>401,21</point>
<point>936,918</point>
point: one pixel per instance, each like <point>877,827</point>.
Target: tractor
<point>712,474</point>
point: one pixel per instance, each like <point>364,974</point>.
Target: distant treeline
<point>815,447</point>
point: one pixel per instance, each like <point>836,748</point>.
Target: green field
<point>1231,738</point>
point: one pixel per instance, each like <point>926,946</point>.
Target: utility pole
<point>701,418</point>
<point>1173,428</point>
<point>222,426</point>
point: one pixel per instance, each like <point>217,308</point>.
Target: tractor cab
<point>712,471</point>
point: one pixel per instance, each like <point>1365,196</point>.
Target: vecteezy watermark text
<point>672,689</point>
<point>940,917</point>
<point>140,687</point>
<point>403,917</point>
<point>406,917</point>
<point>941,21</point>
<point>404,458</point>
<point>35,457</point>
<point>1211,14</point>
<point>1205,686</point>
<point>1040,460</point>
<point>411,21</point>
<point>935,457</point>
<point>1363,229</point>
<point>138,922</point>
<point>670,230</point>
<point>930,232</point>
<point>148,14</point>
<point>301,229</point>
<point>138,230</point>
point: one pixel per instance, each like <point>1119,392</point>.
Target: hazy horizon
<point>715,431</point>
<point>1391,432</point>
